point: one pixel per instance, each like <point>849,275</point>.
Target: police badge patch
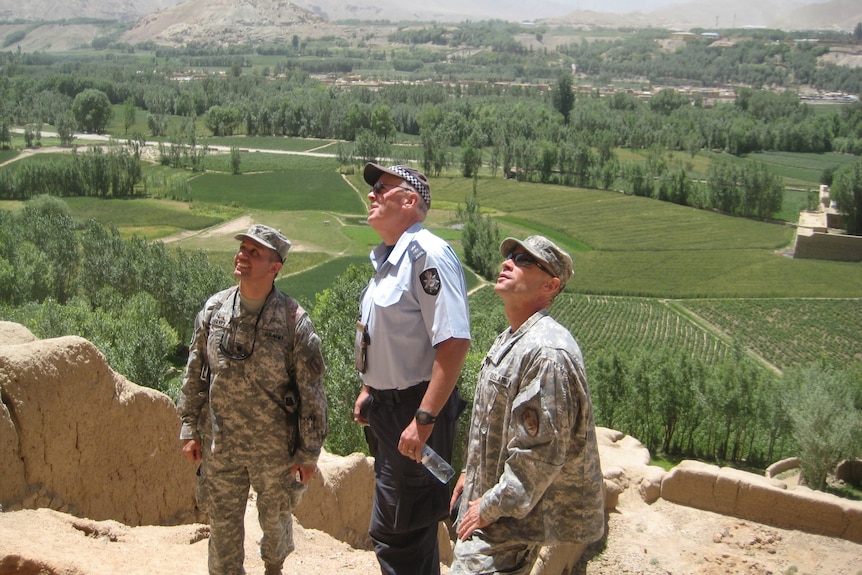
<point>430,279</point>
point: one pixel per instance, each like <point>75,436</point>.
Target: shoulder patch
<point>531,422</point>
<point>430,279</point>
<point>415,250</point>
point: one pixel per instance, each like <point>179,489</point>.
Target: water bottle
<point>438,466</point>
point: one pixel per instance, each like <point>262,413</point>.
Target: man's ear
<point>552,285</point>
<point>411,199</point>
<point>275,267</point>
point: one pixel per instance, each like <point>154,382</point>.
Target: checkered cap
<point>412,176</point>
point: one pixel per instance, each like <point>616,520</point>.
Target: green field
<point>789,332</point>
<point>150,218</point>
<point>273,143</point>
<point>625,245</point>
<point>802,169</point>
<point>291,190</point>
<point>779,333</point>
<point>647,273</point>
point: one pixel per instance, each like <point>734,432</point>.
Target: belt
<point>396,396</point>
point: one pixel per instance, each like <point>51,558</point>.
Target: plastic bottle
<point>438,466</point>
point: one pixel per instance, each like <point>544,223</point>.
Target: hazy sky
<point>623,6</point>
<point>539,9</point>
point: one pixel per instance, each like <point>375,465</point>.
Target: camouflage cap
<point>412,176</point>
<point>546,252</point>
<point>267,237</point>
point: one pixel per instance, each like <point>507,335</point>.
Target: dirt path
<point>229,227</point>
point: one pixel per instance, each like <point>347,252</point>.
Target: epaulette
<point>415,250</point>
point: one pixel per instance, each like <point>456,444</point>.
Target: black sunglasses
<point>238,351</point>
<point>380,188</point>
<point>525,260</point>
<point>239,354</point>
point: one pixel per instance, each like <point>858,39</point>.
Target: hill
<point>122,10</point>
<point>228,23</point>
<point>58,26</point>
<point>840,15</point>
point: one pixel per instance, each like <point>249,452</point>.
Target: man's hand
<point>471,521</point>
<point>306,472</point>
<point>192,449</point>
<point>456,493</point>
<point>358,415</point>
<point>412,439</point>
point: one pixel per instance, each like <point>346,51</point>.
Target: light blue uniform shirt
<point>416,299</point>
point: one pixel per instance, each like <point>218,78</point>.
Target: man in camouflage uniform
<point>253,405</point>
<point>533,475</point>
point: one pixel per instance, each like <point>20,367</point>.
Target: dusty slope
<point>661,538</point>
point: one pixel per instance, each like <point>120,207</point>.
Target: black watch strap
<point>424,417</point>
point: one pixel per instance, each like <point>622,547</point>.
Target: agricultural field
<point>625,245</point>
<point>278,191</point>
<point>604,324</point>
<point>790,332</point>
<point>778,333</point>
<point>146,217</point>
<point>647,273</point>
<point>801,169</point>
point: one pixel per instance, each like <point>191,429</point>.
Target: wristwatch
<point>424,417</point>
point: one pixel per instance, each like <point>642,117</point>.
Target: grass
<point>257,161</point>
<point>290,190</point>
<point>6,155</point>
<point>789,332</point>
<point>149,218</point>
<point>272,143</point>
<point>647,273</point>
<point>664,461</point>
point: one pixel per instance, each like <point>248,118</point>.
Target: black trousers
<point>409,502</point>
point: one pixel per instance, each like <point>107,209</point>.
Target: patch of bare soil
<point>658,539</point>
<point>669,539</point>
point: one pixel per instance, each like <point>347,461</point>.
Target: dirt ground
<point>662,538</point>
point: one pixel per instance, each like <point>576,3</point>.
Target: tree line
<point>114,171</point>
<point>134,300</point>
<point>678,406</point>
<point>528,132</point>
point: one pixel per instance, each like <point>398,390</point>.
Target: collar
<point>507,340</point>
<point>379,254</point>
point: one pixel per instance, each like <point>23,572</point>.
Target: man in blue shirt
<point>412,337</point>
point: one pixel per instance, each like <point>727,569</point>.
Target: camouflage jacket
<point>532,452</point>
<point>268,405</point>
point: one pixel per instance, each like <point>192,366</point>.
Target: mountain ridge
<point>226,23</point>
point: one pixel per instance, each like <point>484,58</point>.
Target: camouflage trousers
<point>482,556</point>
<point>222,493</point>
<point>476,557</point>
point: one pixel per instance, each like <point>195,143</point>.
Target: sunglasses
<point>379,188</point>
<point>525,260</point>
<point>233,348</point>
